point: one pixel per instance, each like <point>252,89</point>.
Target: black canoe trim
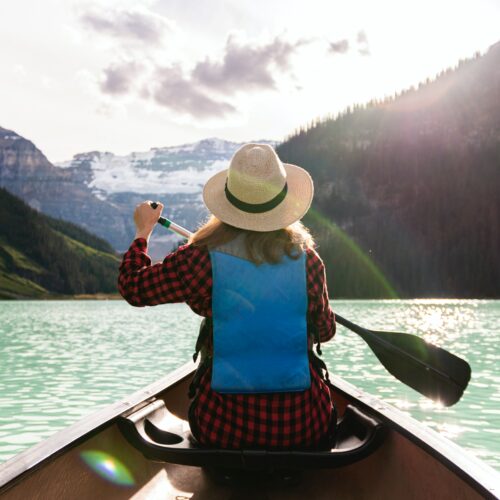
<point>482,478</point>
<point>160,436</point>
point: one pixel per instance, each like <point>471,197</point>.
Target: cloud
<point>119,78</point>
<point>362,40</point>
<point>246,67</point>
<point>139,25</point>
<point>340,47</point>
<point>180,94</point>
<point>243,67</point>
<point>343,46</point>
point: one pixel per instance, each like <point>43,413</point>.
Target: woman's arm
<point>183,276</point>
<point>320,312</point>
<point>143,284</point>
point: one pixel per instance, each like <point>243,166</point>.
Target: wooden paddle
<point>426,368</point>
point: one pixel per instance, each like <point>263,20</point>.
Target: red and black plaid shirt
<point>278,420</point>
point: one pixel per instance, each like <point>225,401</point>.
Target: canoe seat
<point>162,436</point>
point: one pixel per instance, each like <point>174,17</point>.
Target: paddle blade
<point>430,370</point>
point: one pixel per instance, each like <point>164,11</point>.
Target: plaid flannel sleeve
<point>183,276</point>
<point>319,311</point>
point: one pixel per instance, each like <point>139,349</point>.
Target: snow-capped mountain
<point>176,169</point>
<point>174,175</point>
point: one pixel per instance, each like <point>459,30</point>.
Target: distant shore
<point>95,296</point>
<point>83,296</point>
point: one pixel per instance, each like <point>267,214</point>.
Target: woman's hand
<point>145,218</point>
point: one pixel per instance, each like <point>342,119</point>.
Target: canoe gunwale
<point>28,461</point>
<point>481,477</point>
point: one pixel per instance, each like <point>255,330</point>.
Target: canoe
<point>141,448</point>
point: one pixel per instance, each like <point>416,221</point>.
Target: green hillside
<point>350,272</point>
<point>406,189</point>
<point>42,256</point>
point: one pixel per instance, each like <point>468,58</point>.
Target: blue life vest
<point>259,325</point>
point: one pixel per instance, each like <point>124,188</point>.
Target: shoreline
<point>117,296</point>
<point>95,296</point>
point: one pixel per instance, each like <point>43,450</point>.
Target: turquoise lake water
<point>62,360</point>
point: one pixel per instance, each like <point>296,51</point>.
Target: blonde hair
<point>269,246</point>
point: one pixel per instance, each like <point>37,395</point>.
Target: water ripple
<point>63,360</point>
<point>468,328</point>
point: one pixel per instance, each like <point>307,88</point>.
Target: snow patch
<point>180,169</point>
<point>118,174</point>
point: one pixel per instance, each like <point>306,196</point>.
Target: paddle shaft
<point>182,231</point>
<point>163,221</point>
<point>428,369</point>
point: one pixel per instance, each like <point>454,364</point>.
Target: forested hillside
<point>40,255</point>
<point>414,180</point>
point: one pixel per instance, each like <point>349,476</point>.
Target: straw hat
<point>258,192</point>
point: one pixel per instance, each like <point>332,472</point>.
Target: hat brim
<point>295,205</point>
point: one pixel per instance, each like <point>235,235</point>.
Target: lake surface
<point>61,360</point>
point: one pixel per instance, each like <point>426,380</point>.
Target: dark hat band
<point>256,208</point>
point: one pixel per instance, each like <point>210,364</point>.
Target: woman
<point>252,272</point>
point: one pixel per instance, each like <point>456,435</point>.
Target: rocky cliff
<point>26,172</point>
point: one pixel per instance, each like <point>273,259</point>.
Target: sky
<point>123,76</point>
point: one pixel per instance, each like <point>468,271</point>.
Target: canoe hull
<point>412,462</point>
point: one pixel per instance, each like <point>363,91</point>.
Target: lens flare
<point>108,467</point>
<point>363,260</point>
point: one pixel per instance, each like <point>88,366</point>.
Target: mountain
<point>174,175</point>
<point>414,182</point>
<point>40,255</point>
<point>26,173</point>
<point>102,190</point>
<point>99,190</point>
